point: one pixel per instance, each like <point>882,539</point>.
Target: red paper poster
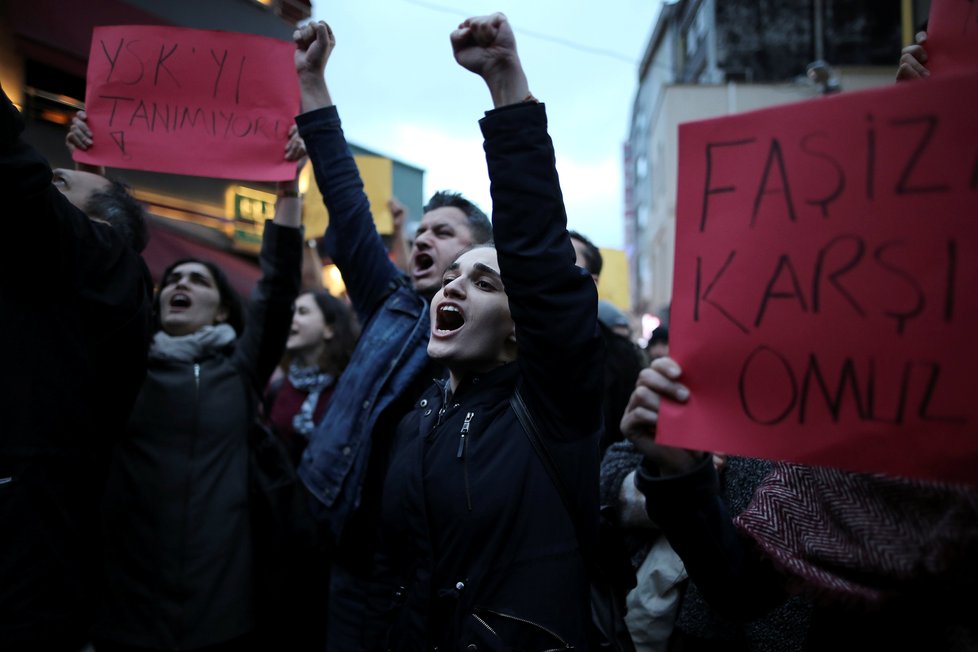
<point>952,36</point>
<point>825,307</point>
<point>189,101</point>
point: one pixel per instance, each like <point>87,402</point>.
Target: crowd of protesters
<point>469,434</point>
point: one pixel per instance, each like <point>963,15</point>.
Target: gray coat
<point>179,560</point>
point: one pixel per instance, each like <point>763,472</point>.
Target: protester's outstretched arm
<point>552,301</point>
<point>912,60</point>
<point>683,498</point>
<point>288,206</point>
<point>351,241</point>
<point>313,44</point>
<point>260,348</point>
<point>487,47</point>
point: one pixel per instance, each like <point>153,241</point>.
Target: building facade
<point>709,58</point>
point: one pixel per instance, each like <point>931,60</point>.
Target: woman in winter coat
<point>321,341</point>
<point>179,562</point>
<point>480,549</point>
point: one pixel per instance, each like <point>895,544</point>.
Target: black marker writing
<point>161,65</point>
<point>840,176</point>
<point>774,155</point>
<point>708,190</point>
<point>903,186</point>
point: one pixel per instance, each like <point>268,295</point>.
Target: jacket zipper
<point>182,631</point>
<point>463,446</point>
<point>485,624</point>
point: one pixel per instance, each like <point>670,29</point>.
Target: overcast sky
<point>400,92</point>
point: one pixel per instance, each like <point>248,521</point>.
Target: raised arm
<point>288,206</point>
<point>352,241</point>
<point>270,308</point>
<point>682,497</point>
<point>552,301</point>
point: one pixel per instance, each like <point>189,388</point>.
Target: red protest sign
<point>188,101</point>
<point>952,36</point>
<point>824,306</point>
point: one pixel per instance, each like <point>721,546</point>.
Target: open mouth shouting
<point>448,319</point>
<point>180,301</point>
<point>423,264</point>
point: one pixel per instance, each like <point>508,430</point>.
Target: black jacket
<point>179,560</point>
<point>481,548</point>
<point>74,328</point>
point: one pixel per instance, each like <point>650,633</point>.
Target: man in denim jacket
<point>344,465</point>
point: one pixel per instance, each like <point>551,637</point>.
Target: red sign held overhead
<point>824,308</point>
<point>188,101</point>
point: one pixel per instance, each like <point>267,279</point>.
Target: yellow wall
<point>377,175</point>
<point>613,284</point>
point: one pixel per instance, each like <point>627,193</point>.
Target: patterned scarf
<point>187,348</point>
<point>862,538</point>
<point>313,381</point>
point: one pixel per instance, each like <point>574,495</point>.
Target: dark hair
<point>479,224</point>
<point>338,350</point>
<point>592,255</point>
<point>119,208</point>
<point>230,300</point>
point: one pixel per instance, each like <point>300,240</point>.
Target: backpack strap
<point>532,433</point>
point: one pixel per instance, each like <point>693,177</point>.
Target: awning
<point>167,244</point>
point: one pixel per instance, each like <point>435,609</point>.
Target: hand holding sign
<point>641,418</point>
<point>912,60</point>
<point>189,101</point>
<point>79,135</point>
<point>823,252</point>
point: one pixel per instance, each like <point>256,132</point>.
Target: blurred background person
<point>623,359</point>
<point>321,340</point>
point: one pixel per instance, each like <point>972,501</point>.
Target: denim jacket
<point>392,351</point>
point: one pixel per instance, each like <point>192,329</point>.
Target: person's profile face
<point>309,330</point>
<point>580,258</point>
<point>79,187</point>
